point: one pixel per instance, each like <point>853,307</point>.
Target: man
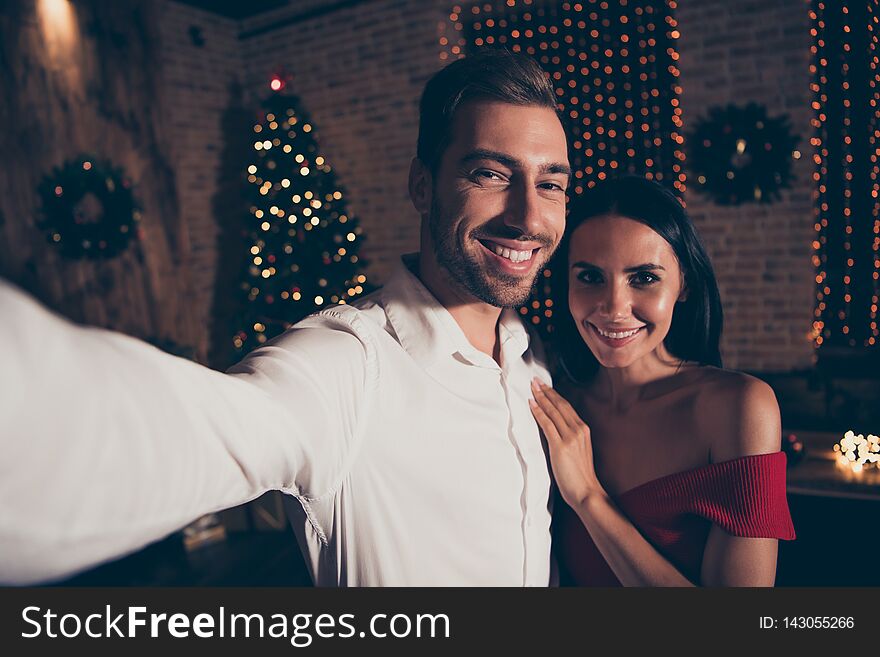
<point>399,427</point>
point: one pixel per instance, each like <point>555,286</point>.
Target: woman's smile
<point>616,337</point>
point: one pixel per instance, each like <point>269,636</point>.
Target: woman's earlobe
<point>683,293</point>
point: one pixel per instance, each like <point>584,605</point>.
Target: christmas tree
<point>303,243</point>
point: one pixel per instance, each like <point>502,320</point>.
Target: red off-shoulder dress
<point>744,496</point>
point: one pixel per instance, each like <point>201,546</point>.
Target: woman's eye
<point>644,278</point>
<point>589,277</point>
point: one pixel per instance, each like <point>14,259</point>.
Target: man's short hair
<point>488,74</point>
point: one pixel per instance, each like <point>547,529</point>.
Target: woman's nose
<point>616,302</point>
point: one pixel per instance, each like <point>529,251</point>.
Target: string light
<point>846,164</point>
<point>615,69</point>
<point>819,193</point>
<point>874,83</point>
<point>844,53</point>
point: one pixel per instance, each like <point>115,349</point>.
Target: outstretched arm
<point>728,560</point>
<point>107,443</point>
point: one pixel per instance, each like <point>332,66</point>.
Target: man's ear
<point>420,186</point>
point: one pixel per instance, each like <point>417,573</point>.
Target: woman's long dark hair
<point>695,332</point>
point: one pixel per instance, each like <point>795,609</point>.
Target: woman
<point>669,465</point>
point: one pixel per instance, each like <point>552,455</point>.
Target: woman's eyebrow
<point>642,267</point>
<point>582,264</point>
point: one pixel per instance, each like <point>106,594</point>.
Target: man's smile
<point>514,257</point>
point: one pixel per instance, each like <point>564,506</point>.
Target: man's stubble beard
<point>495,288</point>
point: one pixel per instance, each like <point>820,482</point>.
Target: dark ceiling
<point>237,9</point>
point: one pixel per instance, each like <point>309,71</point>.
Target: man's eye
<point>552,186</point>
<point>486,175</point>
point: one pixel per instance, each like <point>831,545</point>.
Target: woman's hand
<point>568,439</point>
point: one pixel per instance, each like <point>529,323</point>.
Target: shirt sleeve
<point>107,443</point>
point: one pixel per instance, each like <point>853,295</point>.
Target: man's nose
<point>524,212</point>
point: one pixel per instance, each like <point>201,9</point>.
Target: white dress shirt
<point>410,457</point>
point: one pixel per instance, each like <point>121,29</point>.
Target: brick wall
<point>359,70</point>
<point>87,79</point>
<point>737,52</point>
<point>200,74</point>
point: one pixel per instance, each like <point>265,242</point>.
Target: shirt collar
<point>514,336</point>
<point>429,333</point>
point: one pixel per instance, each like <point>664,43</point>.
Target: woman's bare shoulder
<point>737,414</point>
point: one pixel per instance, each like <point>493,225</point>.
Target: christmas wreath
<point>740,155</point>
<point>88,209</point>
